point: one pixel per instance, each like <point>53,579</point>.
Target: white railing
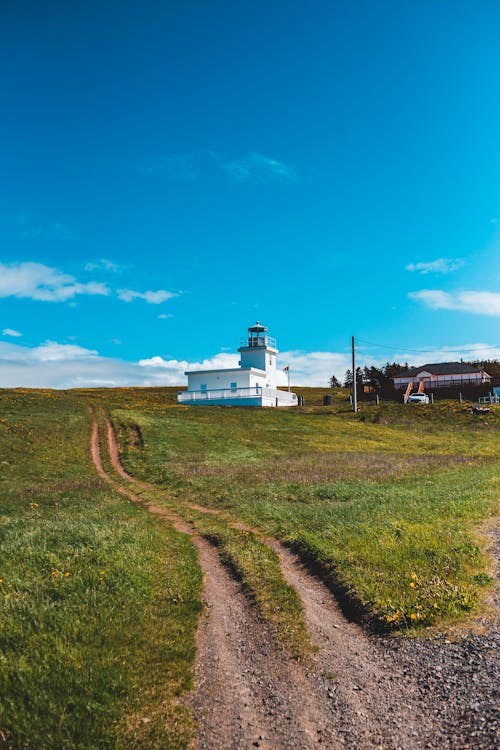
<point>257,341</point>
<point>444,382</point>
<point>219,394</point>
<point>491,399</point>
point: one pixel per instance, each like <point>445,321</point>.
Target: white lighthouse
<point>253,383</point>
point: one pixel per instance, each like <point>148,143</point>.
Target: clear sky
<point>172,171</point>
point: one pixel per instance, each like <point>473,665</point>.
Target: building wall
<point>220,379</point>
<point>261,359</point>
<point>224,379</point>
<point>467,377</point>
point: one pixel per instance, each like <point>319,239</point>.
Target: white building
<point>443,375</point>
<point>253,383</point>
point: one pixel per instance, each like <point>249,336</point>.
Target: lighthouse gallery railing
<point>218,394</point>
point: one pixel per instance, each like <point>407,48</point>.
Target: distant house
<point>253,383</point>
<point>442,375</point>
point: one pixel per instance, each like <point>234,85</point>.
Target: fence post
<point>432,398</point>
<point>460,397</point>
<point>377,399</point>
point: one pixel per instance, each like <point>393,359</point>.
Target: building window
<point>203,386</point>
<point>234,386</point>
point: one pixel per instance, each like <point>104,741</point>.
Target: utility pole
<point>354,388</point>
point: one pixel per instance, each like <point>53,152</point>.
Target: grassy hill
<point>388,503</point>
<point>99,602</point>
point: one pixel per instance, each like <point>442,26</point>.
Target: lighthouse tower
<point>259,351</point>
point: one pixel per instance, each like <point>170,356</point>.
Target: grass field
<point>389,504</point>
<point>99,601</point>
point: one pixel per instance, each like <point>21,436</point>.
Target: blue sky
<point>174,171</point>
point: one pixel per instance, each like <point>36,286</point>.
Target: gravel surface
<point>458,685</point>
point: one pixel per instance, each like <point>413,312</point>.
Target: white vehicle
<point>418,398</point>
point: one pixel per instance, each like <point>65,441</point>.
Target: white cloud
<point>164,316</point>
<point>313,368</point>
<point>42,283</point>
<point>255,167</point>
<point>51,351</point>
<point>217,362</point>
<point>11,332</point>
<point>476,302</point>
<point>39,282</point>
<point>103,264</point>
<point>55,365</point>
<point>441,265</point>
<point>153,298</point>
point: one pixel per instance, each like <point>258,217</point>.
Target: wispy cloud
<point>255,167</point>
<point>103,264</point>
<point>11,332</point>
<point>153,298</point>
<point>251,167</point>
<point>476,302</point>
<point>440,265</point>
<point>39,282</point>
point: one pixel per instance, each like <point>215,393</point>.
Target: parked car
<point>418,398</point>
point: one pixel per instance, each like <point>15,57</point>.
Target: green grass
<point>387,503</point>
<point>251,561</point>
<point>99,602</point>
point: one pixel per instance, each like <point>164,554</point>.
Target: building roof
<point>226,369</point>
<point>440,368</point>
<point>258,327</point>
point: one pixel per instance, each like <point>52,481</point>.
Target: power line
<point>422,351</point>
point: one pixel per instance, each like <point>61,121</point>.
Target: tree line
<point>379,377</point>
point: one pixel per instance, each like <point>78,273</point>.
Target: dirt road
<point>358,691</point>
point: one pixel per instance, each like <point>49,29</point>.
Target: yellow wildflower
<point>412,585</point>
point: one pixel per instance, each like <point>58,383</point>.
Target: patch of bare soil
<point>358,691</point>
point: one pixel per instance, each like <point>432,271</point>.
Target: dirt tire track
<point>371,707</point>
<point>382,692</point>
<point>248,692</point>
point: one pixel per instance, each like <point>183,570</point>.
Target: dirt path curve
<point>248,692</point>
<point>350,695</point>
